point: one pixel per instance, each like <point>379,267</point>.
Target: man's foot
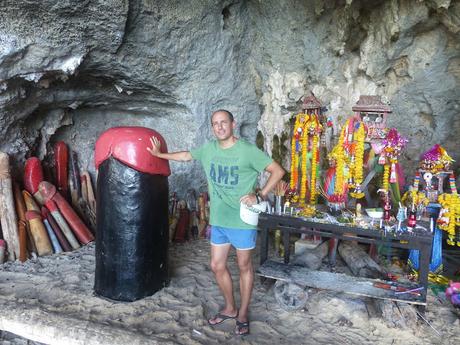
<point>219,318</point>
<point>242,328</point>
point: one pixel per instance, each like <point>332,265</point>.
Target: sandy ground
<point>51,300</point>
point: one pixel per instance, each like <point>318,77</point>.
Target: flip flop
<point>240,326</point>
<point>222,318</point>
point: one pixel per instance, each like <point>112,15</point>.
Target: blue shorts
<point>242,239</point>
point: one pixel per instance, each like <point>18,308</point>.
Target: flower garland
<point>450,218</point>
<point>393,146</point>
<point>306,126</point>
<point>314,163</point>
<point>348,155</point>
<point>414,198</point>
<point>358,164</point>
<point>436,160</point>
<point>308,211</point>
<point>386,177</point>
<point>294,160</point>
<point>303,181</point>
<point>340,163</point>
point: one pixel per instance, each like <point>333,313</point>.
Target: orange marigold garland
<point>314,167</point>
<point>294,162</point>
<point>340,163</point>
<point>307,131</point>
<point>449,216</point>
<point>304,150</point>
<point>348,155</point>
<point>358,167</point>
<point>414,199</point>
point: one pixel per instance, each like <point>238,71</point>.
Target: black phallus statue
<point>132,215</point>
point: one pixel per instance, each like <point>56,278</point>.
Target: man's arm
<point>182,156</point>
<point>276,173</point>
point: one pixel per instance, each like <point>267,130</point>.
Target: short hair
<point>230,115</point>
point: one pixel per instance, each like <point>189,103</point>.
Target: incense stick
<point>428,323</point>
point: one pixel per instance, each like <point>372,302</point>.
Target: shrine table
<point>420,238</point>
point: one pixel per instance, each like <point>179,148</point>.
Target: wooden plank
<point>335,282</point>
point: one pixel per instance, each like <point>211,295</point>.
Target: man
<point>232,166</point>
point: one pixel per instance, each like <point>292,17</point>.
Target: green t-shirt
<point>231,173</point>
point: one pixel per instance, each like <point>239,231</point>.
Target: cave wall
<point>71,69</point>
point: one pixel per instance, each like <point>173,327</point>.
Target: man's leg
<point>219,255</point>
<point>246,283</point>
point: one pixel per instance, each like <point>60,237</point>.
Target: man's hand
<point>181,156</point>
<point>249,199</point>
<point>155,149</point>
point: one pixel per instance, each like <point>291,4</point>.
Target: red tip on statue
<point>2,244</point>
<point>33,174</point>
<point>33,215</point>
<point>47,190</point>
<point>45,212</point>
<point>51,205</point>
<point>129,145</point>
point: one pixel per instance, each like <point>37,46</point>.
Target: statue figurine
<point>359,219</point>
<point>183,224</point>
<point>358,213</point>
<point>401,215</point>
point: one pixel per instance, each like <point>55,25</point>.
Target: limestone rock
<point>71,69</point>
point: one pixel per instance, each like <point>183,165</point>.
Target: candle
<point>453,188</point>
<point>286,205</point>
<point>416,180</point>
